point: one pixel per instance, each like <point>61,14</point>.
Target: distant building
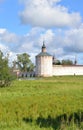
<point>45,66</point>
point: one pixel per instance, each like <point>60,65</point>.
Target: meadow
<point>54,103</point>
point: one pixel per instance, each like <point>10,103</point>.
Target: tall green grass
<point>43,104</point>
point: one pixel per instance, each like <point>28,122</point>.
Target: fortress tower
<point>43,63</point>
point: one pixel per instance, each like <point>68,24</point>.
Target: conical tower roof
<point>43,51</point>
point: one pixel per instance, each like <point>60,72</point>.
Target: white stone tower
<point>43,63</point>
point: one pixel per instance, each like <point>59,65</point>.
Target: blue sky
<point>25,23</point>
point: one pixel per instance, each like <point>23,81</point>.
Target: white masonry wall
<point>44,66</point>
<point>38,66</point>
<point>67,70</point>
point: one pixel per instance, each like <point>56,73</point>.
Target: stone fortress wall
<point>45,67</point>
<point>67,70</point>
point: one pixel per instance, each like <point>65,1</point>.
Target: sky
<point>25,24</point>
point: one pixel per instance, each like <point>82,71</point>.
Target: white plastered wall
<point>44,66</point>
<point>67,70</point>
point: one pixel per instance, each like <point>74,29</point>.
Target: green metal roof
<point>43,54</point>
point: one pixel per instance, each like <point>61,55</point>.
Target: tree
<point>24,63</point>
<point>5,76</point>
<point>57,62</point>
<point>67,62</point>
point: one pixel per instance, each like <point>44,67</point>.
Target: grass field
<point>43,104</point>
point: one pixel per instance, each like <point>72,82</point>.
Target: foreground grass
<point>43,104</point>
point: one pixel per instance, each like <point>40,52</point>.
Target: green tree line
<point>23,63</point>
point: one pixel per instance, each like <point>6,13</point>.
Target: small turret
<point>53,59</point>
<point>75,62</point>
<point>43,47</point>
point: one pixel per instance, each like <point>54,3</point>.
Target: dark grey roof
<point>43,45</point>
<point>43,54</point>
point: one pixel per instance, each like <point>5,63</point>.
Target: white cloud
<point>7,36</point>
<point>53,1</point>
<point>47,13</point>
<point>61,43</point>
<point>48,36</point>
<point>7,51</point>
<point>3,48</point>
<point>2,30</point>
<point>73,40</point>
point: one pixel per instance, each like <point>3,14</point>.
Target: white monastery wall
<point>67,70</point>
<point>45,68</point>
